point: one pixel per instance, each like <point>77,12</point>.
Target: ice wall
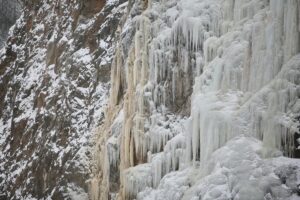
<point>187,77</point>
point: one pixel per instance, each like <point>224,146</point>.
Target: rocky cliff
<point>54,81</point>
<point>153,100</point>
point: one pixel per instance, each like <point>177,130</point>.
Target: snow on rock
<point>53,89</point>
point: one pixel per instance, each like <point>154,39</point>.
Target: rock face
<point>9,12</point>
<point>54,80</point>
<point>164,100</point>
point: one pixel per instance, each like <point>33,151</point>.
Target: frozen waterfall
<point>208,91</point>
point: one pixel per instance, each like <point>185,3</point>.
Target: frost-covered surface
<point>214,70</point>
<point>54,80</point>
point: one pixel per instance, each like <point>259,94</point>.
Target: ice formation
<point>189,77</point>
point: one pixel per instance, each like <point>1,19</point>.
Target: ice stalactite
<point>171,159</point>
<point>136,179</point>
